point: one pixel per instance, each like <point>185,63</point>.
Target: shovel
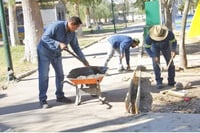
<point>162,69</point>
<point>89,69</point>
<point>74,55</point>
<point>170,61</point>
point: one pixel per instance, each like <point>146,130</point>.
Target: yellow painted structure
<point>194,30</point>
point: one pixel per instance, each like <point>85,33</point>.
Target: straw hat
<point>158,32</point>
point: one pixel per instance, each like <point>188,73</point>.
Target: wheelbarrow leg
<point>78,96</point>
<point>101,99</point>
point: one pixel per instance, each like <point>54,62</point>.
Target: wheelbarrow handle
<point>74,55</point>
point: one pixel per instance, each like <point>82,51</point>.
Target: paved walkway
<point>20,111</point>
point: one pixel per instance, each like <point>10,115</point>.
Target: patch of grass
<point>96,35</point>
<point>84,41</point>
<point>106,29</point>
<point>19,66</point>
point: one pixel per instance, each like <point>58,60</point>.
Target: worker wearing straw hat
<point>160,39</point>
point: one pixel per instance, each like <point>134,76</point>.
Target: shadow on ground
<point>18,108</point>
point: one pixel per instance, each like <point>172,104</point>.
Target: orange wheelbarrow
<point>87,79</point>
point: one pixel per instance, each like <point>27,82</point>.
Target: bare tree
<point>87,15</point>
<point>33,27</point>
<point>168,12</point>
<point>14,38</point>
<point>182,52</point>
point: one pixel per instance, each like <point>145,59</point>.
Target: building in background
<point>53,10</point>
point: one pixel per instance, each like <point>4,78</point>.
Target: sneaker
<point>160,86</point>
<point>44,104</point>
<point>64,100</point>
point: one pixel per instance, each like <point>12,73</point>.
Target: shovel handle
<point>74,55</point>
<point>170,61</point>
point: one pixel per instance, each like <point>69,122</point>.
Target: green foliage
<point>46,3</point>
<point>106,29</point>
<point>11,2</point>
<point>90,2</point>
<point>140,4</point>
<point>98,8</point>
<point>193,5</point>
<point>103,11</point>
<point>181,7</point>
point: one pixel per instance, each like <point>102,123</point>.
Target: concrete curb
<point>105,35</point>
<point>25,74</point>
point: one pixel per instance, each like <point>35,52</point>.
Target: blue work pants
<point>45,58</point>
<point>157,49</point>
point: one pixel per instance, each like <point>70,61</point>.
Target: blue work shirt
<point>55,33</point>
<point>123,43</point>
<point>169,41</point>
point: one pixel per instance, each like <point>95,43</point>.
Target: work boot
<point>64,100</point>
<point>44,104</point>
<point>159,86</point>
<point>172,84</point>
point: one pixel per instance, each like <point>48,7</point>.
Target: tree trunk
<point>182,52</point>
<point>93,15</point>
<point>169,18</point>
<point>13,30</point>
<point>76,7</point>
<point>174,13</point>
<point>87,15</point>
<point>33,28</point>
<point>168,13</point>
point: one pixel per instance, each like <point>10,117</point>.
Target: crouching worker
<point>121,44</point>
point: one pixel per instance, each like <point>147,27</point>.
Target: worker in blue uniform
<point>161,39</point>
<point>56,37</point>
<point>121,44</point>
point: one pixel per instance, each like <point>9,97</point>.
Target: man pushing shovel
<point>57,36</point>
<point>161,39</point>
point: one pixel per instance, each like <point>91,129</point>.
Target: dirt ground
<point>155,100</point>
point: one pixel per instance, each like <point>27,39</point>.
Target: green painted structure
<point>152,10</point>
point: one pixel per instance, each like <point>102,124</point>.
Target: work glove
<point>173,54</point>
